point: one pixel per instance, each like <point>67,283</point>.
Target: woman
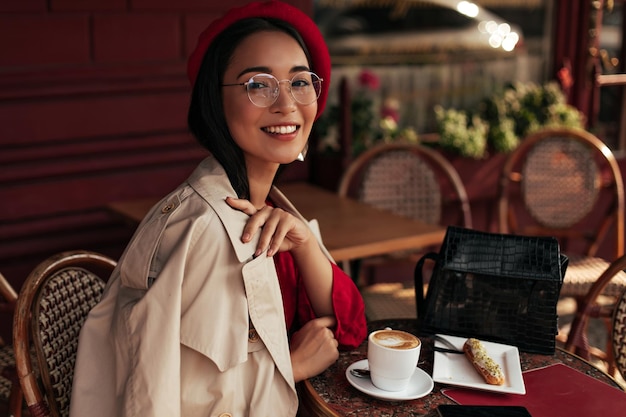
<point>224,299</point>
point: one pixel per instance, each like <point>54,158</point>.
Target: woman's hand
<point>313,348</point>
<point>280,231</point>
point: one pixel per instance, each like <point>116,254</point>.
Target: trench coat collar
<point>210,181</point>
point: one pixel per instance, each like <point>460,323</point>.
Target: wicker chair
<point>566,183</point>
<point>595,306</point>
<point>619,335</point>
<point>51,308</point>
<point>410,180</point>
<point>10,391</point>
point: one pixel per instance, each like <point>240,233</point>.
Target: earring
<point>303,153</point>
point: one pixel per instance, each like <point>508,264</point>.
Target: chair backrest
<point>410,180</point>
<point>51,308</point>
<point>619,335</point>
<point>577,340</point>
<point>565,183</point>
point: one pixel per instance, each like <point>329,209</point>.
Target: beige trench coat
<point>166,340</point>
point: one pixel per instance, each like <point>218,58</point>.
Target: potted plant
<point>501,120</point>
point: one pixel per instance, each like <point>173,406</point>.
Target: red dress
<point>348,304</point>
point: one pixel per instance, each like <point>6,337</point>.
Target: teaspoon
<point>450,347</point>
<point>360,373</point>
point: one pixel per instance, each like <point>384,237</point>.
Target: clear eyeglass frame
<point>264,89</point>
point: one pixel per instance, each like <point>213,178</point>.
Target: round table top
<point>330,393</point>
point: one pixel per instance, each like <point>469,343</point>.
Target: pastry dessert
<point>482,362</point>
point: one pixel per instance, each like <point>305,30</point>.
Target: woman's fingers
<point>257,217</point>
<point>327,321</point>
<point>275,230</point>
<point>241,205</point>
<point>280,231</point>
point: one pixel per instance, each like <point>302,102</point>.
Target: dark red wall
<point>93,107</point>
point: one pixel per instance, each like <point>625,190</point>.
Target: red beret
<point>273,9</point>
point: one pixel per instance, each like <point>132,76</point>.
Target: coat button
<point>253,336</point>
<point>168,207</point>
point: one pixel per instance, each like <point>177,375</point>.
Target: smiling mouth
<point>280,130</point>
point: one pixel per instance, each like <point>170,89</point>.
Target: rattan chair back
<point>51,308</point>
<point>410,180</point>
<point>566,183</point>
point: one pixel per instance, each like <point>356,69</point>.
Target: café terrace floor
<point>397,300</point>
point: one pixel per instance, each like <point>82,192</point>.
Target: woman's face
<point>270,135</point>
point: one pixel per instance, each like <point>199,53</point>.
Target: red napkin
<point>554,391</point>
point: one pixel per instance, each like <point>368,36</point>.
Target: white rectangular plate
<point>455,369</point>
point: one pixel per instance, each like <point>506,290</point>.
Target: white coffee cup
<point>392,356</point>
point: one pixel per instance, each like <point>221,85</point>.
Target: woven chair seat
<point>8,376</point>
<point>7,363</point>
<point>389,301</point>
<point>583,271</point>
<point>592,306</point>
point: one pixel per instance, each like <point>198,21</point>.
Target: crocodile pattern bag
<point>496,287</point>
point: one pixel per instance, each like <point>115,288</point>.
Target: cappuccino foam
<point>395,339</point>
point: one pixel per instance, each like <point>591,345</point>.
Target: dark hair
<point>206,117</point>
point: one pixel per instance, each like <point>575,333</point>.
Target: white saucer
<point>420,385</point>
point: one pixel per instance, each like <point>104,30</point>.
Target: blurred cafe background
<point>94,95</point>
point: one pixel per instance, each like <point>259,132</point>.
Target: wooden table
<point>329,394</point>
<point>350,229</point>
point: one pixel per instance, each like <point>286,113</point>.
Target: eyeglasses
<point>263,89</point>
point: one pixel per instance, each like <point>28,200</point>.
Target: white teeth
<point>280,129</point>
